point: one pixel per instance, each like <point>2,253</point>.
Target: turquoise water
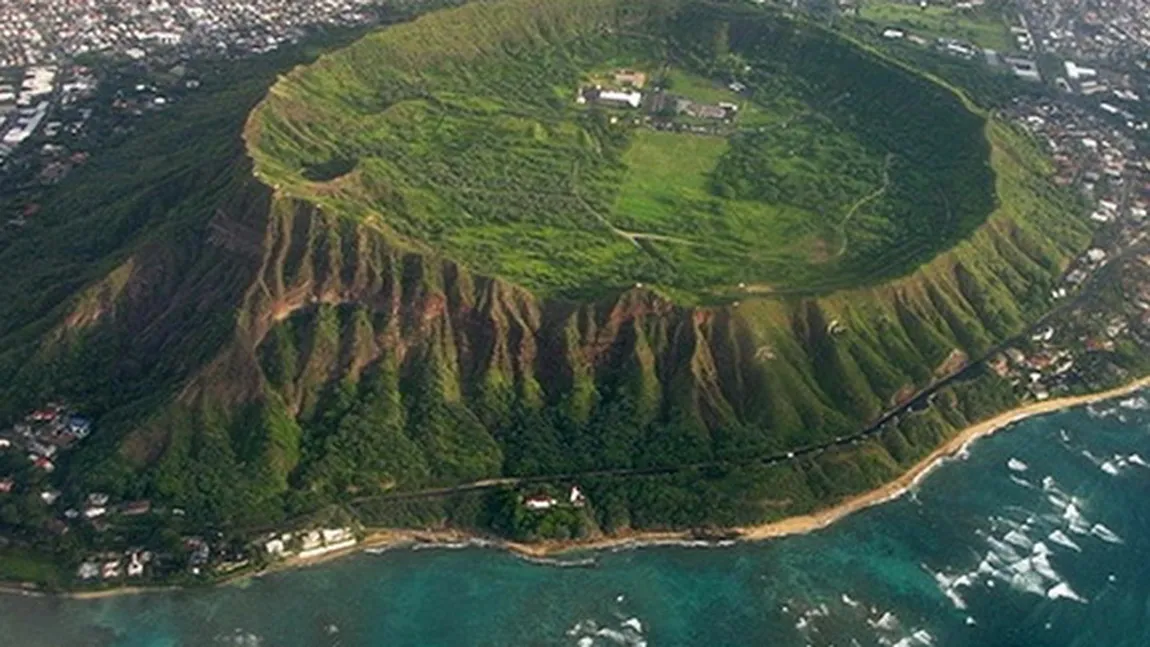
<point>1039,535</point>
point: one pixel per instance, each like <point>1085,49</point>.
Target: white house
<point>1076,72</point>
<point>135,566</point>
<point>539,503</point>
<point>95,511</point>
<point>633,99</point>
<point>274,547</point>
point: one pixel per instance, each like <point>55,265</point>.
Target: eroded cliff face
<point>317,300</point>
<point>244,348</point>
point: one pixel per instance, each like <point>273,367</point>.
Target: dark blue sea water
<point>1039,535</point>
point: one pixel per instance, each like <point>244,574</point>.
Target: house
<point>97,499</point>
<point>312,540</point>
<point>1024,68</point>
<point>49,496</point>
<point>43,463</point>
<point>737,87</point>
<point>1046,334</point>
<point>41,449</point>
<point>539,502</point>
<point>1076,277</point>
<point>620,99</point>
<point>1095,345</point>
<point>701,110</point>
<point>92,512</point>
<point>893,33</point>
<point>136,508</point>
<point>80,427</point>
<point>275,547</point>
<point>110,569</point>
<point>199,551</point>
<point>958,49</point>
<point>335,535</point>
<point>56,527</point>
<point>1076,72</point>
<point>135,566</point>
<point>88,570</point>
<point>611,98</point>
<point>576,497</point>
<point>999,365</point>
<point>631,78</point>
<point>6,485</point>
<point>42,415</point>
<point>5,443</point>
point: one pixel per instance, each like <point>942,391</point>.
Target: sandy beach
<point>898,487</point>
<point>390,538</point>
<point>792,525</point>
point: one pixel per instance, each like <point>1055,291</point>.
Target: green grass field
<point>19,565</point>
<point>700,88</point>
<point>481,153</point>
<point>663,168</point>
<point>983,26</point>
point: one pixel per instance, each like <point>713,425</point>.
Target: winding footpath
<point>874,195</point>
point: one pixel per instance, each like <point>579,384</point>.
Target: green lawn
<point>700,88</point>
<point>664,167</point>
<point>984,26</point>
<point>18,565</point>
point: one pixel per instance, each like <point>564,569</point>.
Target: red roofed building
<point>42,415</point>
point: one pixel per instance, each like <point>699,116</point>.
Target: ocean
<point>1036,536</point>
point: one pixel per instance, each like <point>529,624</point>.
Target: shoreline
<point>385,539</point>
<point>811,522</point>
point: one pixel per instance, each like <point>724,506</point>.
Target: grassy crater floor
<point>460,134</point>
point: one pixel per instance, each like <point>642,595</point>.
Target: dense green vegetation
<point>481,153</point>
<point>340,327</point>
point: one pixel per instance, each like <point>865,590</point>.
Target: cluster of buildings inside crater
<point>625,90</point>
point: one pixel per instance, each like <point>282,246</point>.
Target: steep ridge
<point>256,353</point>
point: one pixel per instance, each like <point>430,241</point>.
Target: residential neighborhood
<point>41,33</point>
<point>73,76</point>
<point>43,436</point>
